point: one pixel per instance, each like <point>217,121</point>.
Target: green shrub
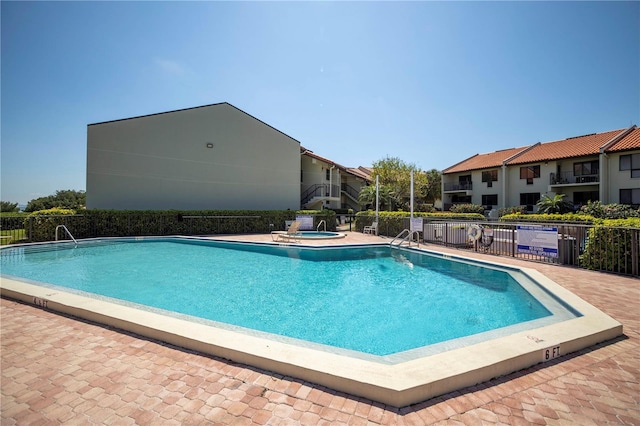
<point>610,246</point>
<point>512,210</point>
<point>467,208</point>
<point>609,211</point>
<point>114,223</point>
<point>555,217</point>
<point>41,225</point>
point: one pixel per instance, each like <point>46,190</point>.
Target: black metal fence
<point>600,248</point>
<point>609,249</point>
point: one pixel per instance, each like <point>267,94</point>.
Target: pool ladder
<point>68,233</point>
<point>322,222</point>
<point>407,236</point>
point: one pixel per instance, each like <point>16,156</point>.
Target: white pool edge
<point>397,385</point>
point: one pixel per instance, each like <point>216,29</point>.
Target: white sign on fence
<point>538,240</point>
<point>306,221</point>
<point>416,224</point>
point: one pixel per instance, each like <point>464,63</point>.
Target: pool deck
<point>59,370</point>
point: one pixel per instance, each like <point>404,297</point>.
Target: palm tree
<point>557,204</point>
<point>367,196</point>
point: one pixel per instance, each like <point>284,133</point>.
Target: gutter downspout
<point>331,180</point>
<point>503,204</point>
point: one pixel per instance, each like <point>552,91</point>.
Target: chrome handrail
<point>67,231</point>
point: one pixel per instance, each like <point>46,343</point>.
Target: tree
<point>557,204</point>
<point>396,174</point>
<point>432,187</point>
<point>367,197</point>
<point>8,207</point>
<point>66,199</point>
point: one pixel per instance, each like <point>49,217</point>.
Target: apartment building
<point>600,166</point>
<point>212,157</point>
<point>327,184</point>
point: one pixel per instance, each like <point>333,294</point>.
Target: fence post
<point>513,240</point>
<point>635,244</point>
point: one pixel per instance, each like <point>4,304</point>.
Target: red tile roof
<point>356,172</point>
<point>579,146</point>
<point>628,142</point>
<point>361,172</point>
<point>484,161</point>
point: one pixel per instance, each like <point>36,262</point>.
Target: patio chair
<point>371,230</point>
<point>290,233</point>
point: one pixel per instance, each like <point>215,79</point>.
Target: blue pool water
<point>372,299</point>
<point>319,235</point>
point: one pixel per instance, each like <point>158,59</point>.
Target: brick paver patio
<point>60,370</point>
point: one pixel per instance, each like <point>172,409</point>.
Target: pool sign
<point>550,353</point>
<point>306,221</point>
<point>416,224</point>
<point>538,240</point>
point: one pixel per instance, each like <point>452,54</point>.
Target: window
<point>631,162</point>
<point>328,174</point>
<point>490,200</point>
<point>529,199</point>
<point>630,196</point>
<point>529,173</point>
<point>586,168</point>
<point>490,176</point>
<point>464,182</point>
<point>583,197</point>
<point>458,199</point>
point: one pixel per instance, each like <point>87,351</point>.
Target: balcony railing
<point>458,186</point>
<point>568,178</point>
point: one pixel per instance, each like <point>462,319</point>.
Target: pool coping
<point>399,384</point>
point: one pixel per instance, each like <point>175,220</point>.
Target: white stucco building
<point>598,167</point>
<point>327,184</point>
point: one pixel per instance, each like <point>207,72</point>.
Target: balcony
<point>458,186</point>
<point>568,178</point>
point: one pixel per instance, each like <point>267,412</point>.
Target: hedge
<point>612,245</point>
<point>554,217</point>
<point>40,226</point>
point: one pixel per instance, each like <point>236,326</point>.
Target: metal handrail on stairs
<point>408,238</point>
<point>322,222</point>
<point>67,231</point>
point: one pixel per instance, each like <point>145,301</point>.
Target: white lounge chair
<point>290,234</point>
<point>372,230</point>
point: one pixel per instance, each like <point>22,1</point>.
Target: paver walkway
<point>60,370</point>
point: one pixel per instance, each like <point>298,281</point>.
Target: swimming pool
<point>319,235</point>
<point>306,235</point>
<point>354,370</point>
<point>376,300</point>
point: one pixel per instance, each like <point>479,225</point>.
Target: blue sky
<point>429,82</point>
